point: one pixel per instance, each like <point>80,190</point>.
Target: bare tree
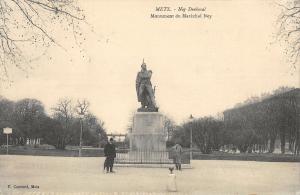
<point>95,133</point>
<point>169,127</point>
<point>289,29</point>
<point>82,107</point>
<point>64,113</point>
<point>28,27</point>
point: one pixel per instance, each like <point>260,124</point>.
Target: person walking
<point>110,154</point>
<point>177,156</point>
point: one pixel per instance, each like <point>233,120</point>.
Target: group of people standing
<point>110,154</point>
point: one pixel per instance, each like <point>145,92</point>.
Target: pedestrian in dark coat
<point>177,156</point>
<point>110,154</point>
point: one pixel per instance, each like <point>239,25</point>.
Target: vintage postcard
<point>150,97</point>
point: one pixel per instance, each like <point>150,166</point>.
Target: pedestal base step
<point>144,157</point>
<point>183,166</point>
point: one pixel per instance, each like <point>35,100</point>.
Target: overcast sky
<point>200,67</point>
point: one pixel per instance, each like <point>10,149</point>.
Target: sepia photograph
<point>129,97</point>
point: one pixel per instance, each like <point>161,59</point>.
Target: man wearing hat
<point>110,154</point>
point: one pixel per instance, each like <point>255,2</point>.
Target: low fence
<point>126,156</point>
<point>94,152</point>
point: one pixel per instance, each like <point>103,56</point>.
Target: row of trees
<point>253,125</point>
<point>207,134</point>
<point>29,120</point>
<point>263,122</point>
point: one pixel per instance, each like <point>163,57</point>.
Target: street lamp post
<point>6,144</point>
<point>191,138</point>
<point>99,140</point>
<point>80,139</point>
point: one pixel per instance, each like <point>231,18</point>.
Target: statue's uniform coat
<point>145,93</point>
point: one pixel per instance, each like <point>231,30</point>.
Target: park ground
<point>75,175</point>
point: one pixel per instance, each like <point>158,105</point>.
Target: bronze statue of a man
<point>144,90</point>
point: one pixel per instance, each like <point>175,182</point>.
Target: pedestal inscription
<point>147,139</point>
<point>148,132</point>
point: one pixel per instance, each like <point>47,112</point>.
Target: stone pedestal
<point>147,139</point>
<point>147,132</point>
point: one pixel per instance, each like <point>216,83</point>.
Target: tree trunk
<point>296,144</point>
<point>272,145</point>
<point>282,142</point>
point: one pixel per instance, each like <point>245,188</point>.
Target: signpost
<point>7,131</point>
<point>191,118</point>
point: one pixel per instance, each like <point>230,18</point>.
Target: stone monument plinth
<point>147,139</point>
<point>147,132</point>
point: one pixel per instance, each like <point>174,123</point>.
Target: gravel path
<point>61,175</point>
